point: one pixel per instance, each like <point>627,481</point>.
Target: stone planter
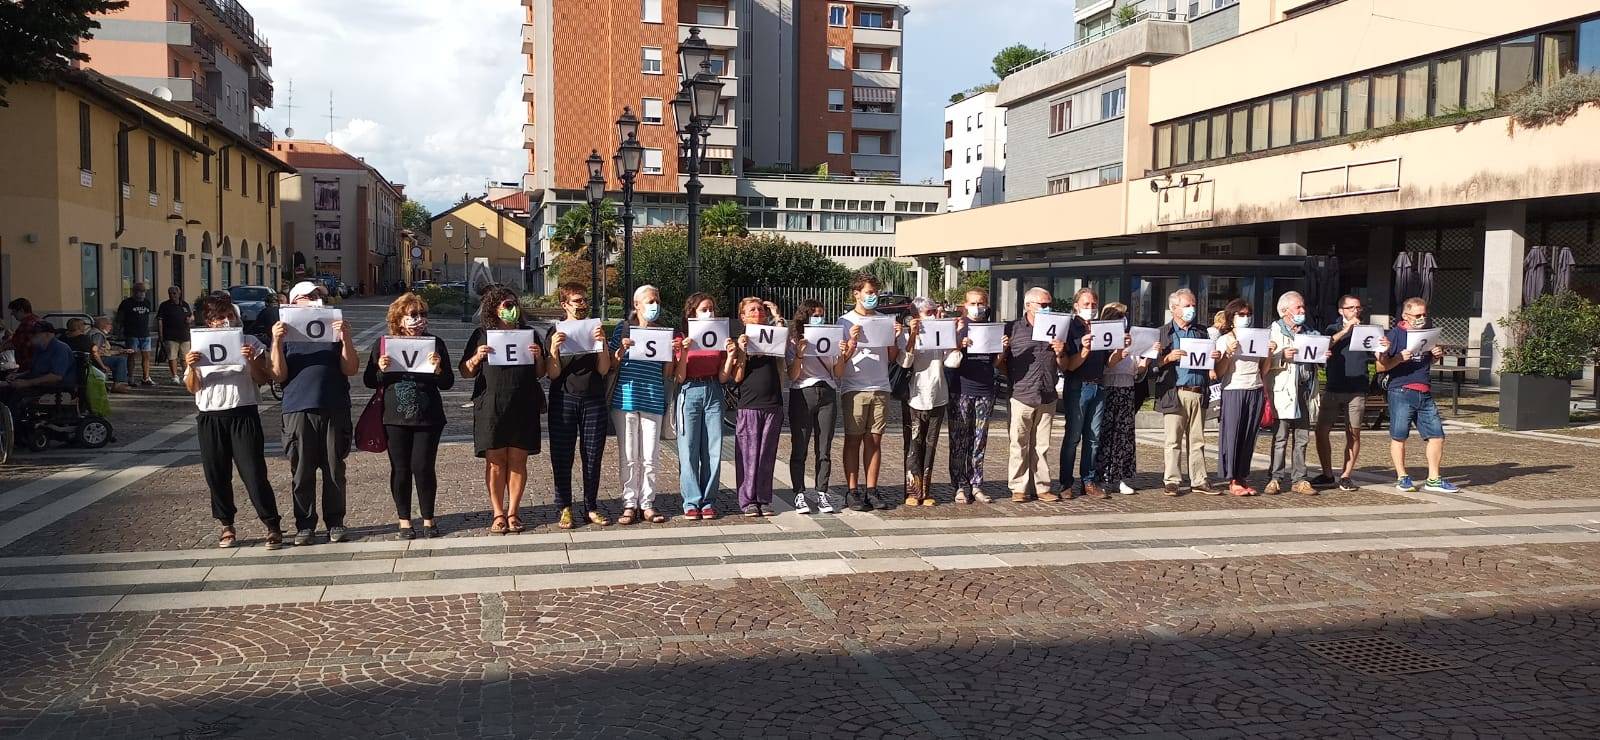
<point>1533,401</point>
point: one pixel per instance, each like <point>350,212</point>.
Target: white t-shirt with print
<point>868,368</point>
<point>225,387</point>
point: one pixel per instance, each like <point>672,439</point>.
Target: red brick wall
<point>813,81</point>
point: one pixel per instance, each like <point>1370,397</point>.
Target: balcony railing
<point>1159,15</point>
<point>261,135</point>
<point>233,14</point>
<point>261,91</point>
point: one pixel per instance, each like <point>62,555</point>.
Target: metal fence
<point>834,300</point>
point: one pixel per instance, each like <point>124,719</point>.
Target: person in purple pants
<point>760,420</point>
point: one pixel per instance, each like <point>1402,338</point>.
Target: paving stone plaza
<point>1371,613</point>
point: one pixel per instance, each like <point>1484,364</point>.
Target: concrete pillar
<point>1380,274</point>
<point>1293,238</point>
<point>923,268</point>
<point>952,272</point>
<point>1504,244</point>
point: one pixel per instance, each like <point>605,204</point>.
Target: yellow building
<point>498,236</point>
<point>102,186</point>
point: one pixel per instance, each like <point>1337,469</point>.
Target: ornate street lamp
<point>693,111</point>
<point>596,193</point>
<point>466,264</point>
<point>626,163</point>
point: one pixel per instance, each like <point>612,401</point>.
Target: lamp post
<point>626,164</point>
<point>596,192</point>
<point>693,111</point>
<point>466,264</point>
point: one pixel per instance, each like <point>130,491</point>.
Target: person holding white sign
<point>1084,397</point>
<point>638,403</point>
<point>759,423</point>
<point>1411,398</point>
<point>974,395</point>
<point>1115,458</point>
<point>1345,397</point>
<point>229,426</point>
<point>699,409</point>
<point>506,401</point>
<point>813,401</point>
<point>1032,367</point>
<point>865,397</point>
<point>411,367</point>
<point>577,411</point>
<point>1239,372</point>
<point>1293,389</point>
<point>922,412</point>
<point>1182,395</point>
<point>317,433</point>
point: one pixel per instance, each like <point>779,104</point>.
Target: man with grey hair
<point>1181,397</point>
<point>1292,390</point>
<point>1032,367</point>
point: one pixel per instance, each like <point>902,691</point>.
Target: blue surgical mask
<point>651,311</point>
<point>1044,309</point>
<point>869,300</point>
<point>1188,314</point>
<point>1299,319</point>
<point>814,321</point>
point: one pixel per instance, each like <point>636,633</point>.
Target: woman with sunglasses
<point>506,403</point>
<point>413,414</point>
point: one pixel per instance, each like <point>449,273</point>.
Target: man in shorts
<point>175,317</point>
<point>865,396</point>
<point>1411,399</point>
<point>1344,398</point>
<point>134,317</point>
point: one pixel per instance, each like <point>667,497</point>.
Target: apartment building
<point>102,186</point>
<point>341,216</point>
<point>809,87</point>
<point>205,54</point>
<point>974,152</point>
<point>1362,131</point>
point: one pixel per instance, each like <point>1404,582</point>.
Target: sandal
<point>514,523</point>
<point>274,539</point>
<point>228,538</point>
<point>598,519</point>
<point>498,525</point>
<point>652,516</point>
<point>628,516</point>
<point>565,522</point>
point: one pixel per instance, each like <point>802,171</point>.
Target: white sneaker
<point>800,504</point>
<point>1125,489</point>
<point>824,503</point>
<point>177,380</point>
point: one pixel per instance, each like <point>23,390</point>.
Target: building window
<point>1219,135</point>
<point>870,19</point>
<point>177,175</point>
<point>719,63</point>
<point>836,57</point>
<point>1113,103</point>
<point>1056,185</point>
<point>1385,98</point>
<point>966,187</point>
<point>980,152</point>
<point>969,155</point>
<point>652,162</point>
<point>1356,105</point>
<point>1060,117</point>
<point>1110,174</point>
<point>1481,73</point>
<point>650,11</point>
<point>85,147</point>
<point>870,60</point>
<point>1163,147</point>
<point>836,142</point>
<point>260,192</point>
<point>949,129</point>
<point>836,15</point>
<point>150,161</point>
<point>1260,115</point>
<point>1516,64</point>
<point>949,158</point>
<point>1202,139</point>
<point>836,100</point>
<point>969,123</point>
<point>1305,113</point>
<point>1332,111</point>
<point>869,144</point>
<point>980,119</point>
<point>123,167</point>
<point>1180,145</point>
<point>711,14</point>
<point>650,62</point>
<point>1239,131</point>
<point>1282,120</point>
<point>1414,92</point>
<point>650,111</point>
<point>244,181</point>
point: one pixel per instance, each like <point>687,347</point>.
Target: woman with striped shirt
<point>638,402</point>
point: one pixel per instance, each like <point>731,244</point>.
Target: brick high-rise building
<point>206,54</point>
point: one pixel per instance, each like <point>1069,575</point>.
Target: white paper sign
<point>218,347</point>
<point>1367,338</point>
<point>708,334</point>
<point>1311,349</point>
<point>1253,342</point>
<point>987,339</point>
<point>650,345</point>
<point>822,342</point>
<point>1108,335</point>
<point>1196,353</point>
<point>580,336</point>
<point>937,334</point>
<point>765,339</point>
<point>1144,341</point>
<point>876,331</point>
<point>410,354</point>
<point>1048,327</point>
<point>510,346</point>
<point>1422,340</point>
<point>308,324</point>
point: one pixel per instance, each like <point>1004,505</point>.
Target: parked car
<point>258,308</point>
<point>420,284</point>
<point>894,304</point>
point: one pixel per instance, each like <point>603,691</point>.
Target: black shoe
<point>855,500</point>
<point>877,499</point>
<point>431,531</point>
<point>406,533</point>
<point>1323,480</point>
<point>303,537</point>
<point>1345,484</point>
<point>336,534</point>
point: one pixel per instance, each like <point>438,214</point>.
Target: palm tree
<point>893,275</point>
<point>725,218</point>
<point>572,229</point>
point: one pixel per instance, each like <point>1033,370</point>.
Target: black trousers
<point>812,411</point>
<point>233,439</point>
<point>577,423</point>
<point>315,441</point>
<point>413,452</point>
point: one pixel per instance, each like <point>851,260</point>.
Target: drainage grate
<point>209,730</point>
<point>1378,656</point>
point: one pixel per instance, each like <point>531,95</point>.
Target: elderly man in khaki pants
<point>1032,368</point>
<point>1181,397</point>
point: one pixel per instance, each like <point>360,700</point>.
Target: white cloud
<point>428,92</point>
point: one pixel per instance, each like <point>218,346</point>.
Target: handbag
<point>899,382</point>
<point>369,429</point>
<point>1269,415</point>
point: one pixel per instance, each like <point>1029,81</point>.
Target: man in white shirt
<point>865,395</point>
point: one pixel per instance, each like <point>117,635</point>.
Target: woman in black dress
<point>506,403</point>
<point>413,414</point>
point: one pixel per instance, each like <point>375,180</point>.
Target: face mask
<point>314,303</point>
<point>1299,319</point>
<point>814,321</point>
<point>414,323</point>
<point>1242,321</point>
<point>1044,309</point>
<point>1188,314</point>
<point>975,312</point>
<point>869,300</point>
<point>509,315</point>
<point>651,311</point>
<point>704,315</point>
<point>1421,323</point>
<point>1087,314</point>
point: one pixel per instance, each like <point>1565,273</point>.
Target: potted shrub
<point>1547,343</point>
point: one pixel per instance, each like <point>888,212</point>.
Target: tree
<point>39,38</point>
<point>572,229</point>
<point>723,219</point>
<point>730,262</point>
<point>463,200</point>
<point>893,275</point>
<point>414,216</point>
<point>1014,56</point>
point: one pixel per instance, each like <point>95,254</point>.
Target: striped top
<point>641,386</point>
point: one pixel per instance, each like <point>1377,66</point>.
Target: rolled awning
<point>875,94</point>
<point>719,152</point>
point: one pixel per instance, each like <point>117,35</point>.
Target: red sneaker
<point>692,514</point>
<point>708,513</point>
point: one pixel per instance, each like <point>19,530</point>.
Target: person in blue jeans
<point>1084,399</point>
<point>698,412</point>
<point>1411,399</point>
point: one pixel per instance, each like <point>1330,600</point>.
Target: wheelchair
<point>60,414</point>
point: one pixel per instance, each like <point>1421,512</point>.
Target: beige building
<point>1254,135</point>
<point>493,234</point>
<point>341,216</point>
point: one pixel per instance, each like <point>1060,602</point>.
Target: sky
<point>429,91</point>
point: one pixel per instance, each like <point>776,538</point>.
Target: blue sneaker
<point>1405,484</point>
<point>1439,485</point>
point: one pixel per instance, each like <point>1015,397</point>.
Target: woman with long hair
<point>506,402</point>
<point>413,414</point>
<point>1114,462</point>
<point>1242,397</point>
<point>760,419</point>
<point>699,372</point>
<point>638,402</point>
<point>813,407</point>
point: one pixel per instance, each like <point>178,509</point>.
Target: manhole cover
<point>1377,656</point>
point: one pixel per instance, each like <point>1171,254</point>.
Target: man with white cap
<point>317,433</point>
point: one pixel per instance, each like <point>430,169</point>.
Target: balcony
<point>875,121</point>
<point>1148,35</point>
<point>875,162</point>
<point>719,37</point>
<point>530,88</point>
<point>261,135</point>
<point>527,38</point>
<point>231,15</point>
<point>530,132</point>
<point>723,136</point>
<point>874,78</point>
<point>713,184</point>
<point>730,86</point>
<point>863,36</point>
<point>261,91</point>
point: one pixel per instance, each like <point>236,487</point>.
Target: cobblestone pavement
<point>1361,614</point>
